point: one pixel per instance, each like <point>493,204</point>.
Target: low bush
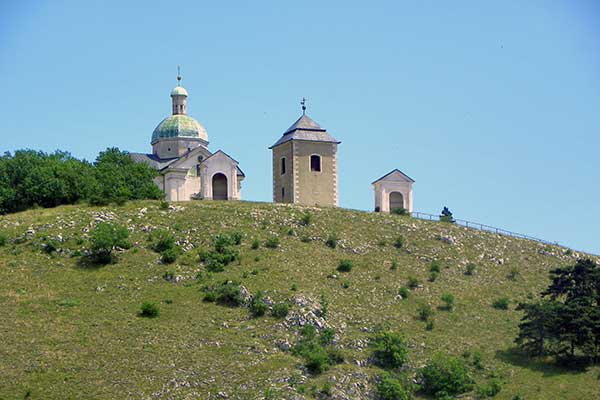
<point>345,284</point>
<point>104,238</point>
<point>327,336</point>
<point>227,293</point>
<point>501,303</point>
<point>513,274</point>
<point>435,266</point>
<point>255,244</point>
<point>445,375</point>
<point>429,325</point>
<point>318,355</point>
<point>258,307</point>
<point>399,211</point>
<point>236,238</point>
<point>433,276</point>
<point>51,246</point>
<point>161,240</point>
<point>3,239</point>
<point>394,265</point>
<point>332,241</point>
<point>404,292</point>
<point>399,242</point>
<point>280,310</point>
<point>272,242</point>
<point>490,389</point>
<point>390,388</point>
<point>470,269</point>
<point>425,312</point>
<point>149,310</point>
<point>345,266</point>
<point>390,349</point>
<point>169,256</point>
<point>448,300</point>
<point>164,205</point>
<point>306,219</point>
<point>169,276</point>
<point>412,282</point>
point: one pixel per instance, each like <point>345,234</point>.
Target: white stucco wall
<point>395,182</point>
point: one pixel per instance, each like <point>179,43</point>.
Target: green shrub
<point>394,265</point>
<point>305,239</point>
<point>478,360</point>
<point>491,389</point>
<point>104,238</point>
<point>404,292</point>
<point>51,246</point>
<point>236,238</point>
<point>326,337</point>
<point>149,310</point>
<point>429,325</point>
<point>161,240</point>
<point>470,269</point>
<point>223,254</point>
<point>412,282</point>
<point>513,274</point>
<point>433,276</point>
<point>316,350</point>
<point>399,211</point>
<point>390,388</point>
<point>390,349</point>
<point>435,266</point>
<point>227,293</point>
<point>345,284</point>
<point>399,242</point>
<point>280,310</point>
<point>306,219</point>
<point>332,241</point>
<point>169,256</point>
<point>3,239</point>
<point>169,276</point>
<point>425,312</point>
<point>345,266</point>
<point>255,244</point>
<point>164,205</point>
<point>258,307</point>
<point>448,300</point>
<point>272,242</point>
<point>501,303</point>
<point>445,375</point>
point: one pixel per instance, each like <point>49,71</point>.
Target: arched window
<point>315,163</point>
<point>282,165</point>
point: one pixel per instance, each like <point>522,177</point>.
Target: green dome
<point>179,125</point>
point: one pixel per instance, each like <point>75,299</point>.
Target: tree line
<point>30,178</point>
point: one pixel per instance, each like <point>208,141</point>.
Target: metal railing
<point>482,227</point>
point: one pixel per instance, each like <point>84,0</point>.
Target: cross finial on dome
<point>178,75</point>
<point>303,104</point>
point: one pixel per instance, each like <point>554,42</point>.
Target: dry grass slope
<point>70,331</point>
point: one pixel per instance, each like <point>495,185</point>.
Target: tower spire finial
<point>178,75</point>
<point>303,104</point>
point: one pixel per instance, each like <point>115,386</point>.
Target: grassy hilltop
<point>71,330</point>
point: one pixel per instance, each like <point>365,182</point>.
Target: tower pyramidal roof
<point>305,128</point>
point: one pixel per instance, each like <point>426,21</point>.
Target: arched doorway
<point>396,201</point>
<point>219,187</point>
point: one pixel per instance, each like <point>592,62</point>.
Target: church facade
<point>187,168</point>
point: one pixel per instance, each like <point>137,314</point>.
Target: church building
<point>305,167</point>
<point>187,169</point>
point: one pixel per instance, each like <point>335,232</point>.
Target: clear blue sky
<point>494,109</point>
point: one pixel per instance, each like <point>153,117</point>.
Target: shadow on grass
<point>546,365</point>
<point>87,262</point>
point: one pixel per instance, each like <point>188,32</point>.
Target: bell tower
<point>305,167</point>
